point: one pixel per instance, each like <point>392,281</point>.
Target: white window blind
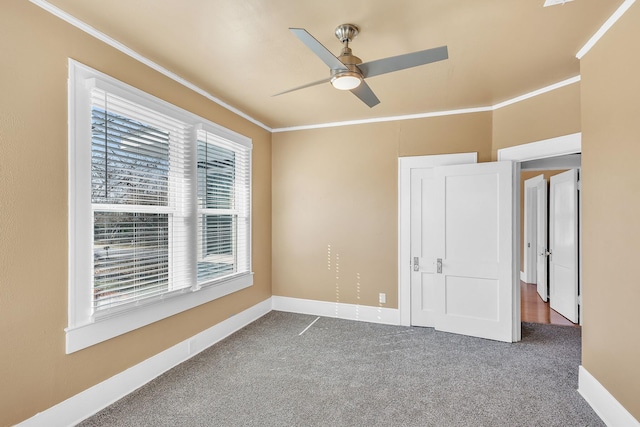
<point>223,207</point>
<point>159,209</point>
<point>138,168</point>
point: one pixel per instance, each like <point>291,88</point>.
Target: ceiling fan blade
<point>317,48</point>
<point>366,95</point>
<point>304,86</point>
<point>401,62</point>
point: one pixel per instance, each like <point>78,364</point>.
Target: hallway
<point>534,310</point>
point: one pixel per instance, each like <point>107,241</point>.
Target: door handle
<point>545,253</point>
<point>439,265</point>
<point>416,263</point>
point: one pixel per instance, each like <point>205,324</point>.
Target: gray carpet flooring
<point>346,373</point>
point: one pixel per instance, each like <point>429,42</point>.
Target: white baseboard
<point>98,397</point>
<point>603,403</point>
<point>363,313</point>
<point>523,277</point>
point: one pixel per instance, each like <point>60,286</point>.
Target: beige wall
<point>335,203</point>
<point>334,187</point>
<point>35,372</point>
<point>335,191</point>
<point>611,210</point>
<point>552,114</point>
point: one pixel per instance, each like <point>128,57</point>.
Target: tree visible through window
<point>159,209</point>
<point>129,167</point>
<point>216,200</point>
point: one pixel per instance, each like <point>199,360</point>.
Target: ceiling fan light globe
<point>347,81</point>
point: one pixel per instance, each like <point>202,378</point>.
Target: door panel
<point>475,243</point>
<point>424,233</point>
<point>483,292</point>
<point>541,239</point>
<point>463,194</point>
<point>422,246</point>
<point>563,234</point>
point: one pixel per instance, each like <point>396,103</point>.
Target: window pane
<point>217,243</point>
<point>131,257</point>
<point>216,176</point>
<point>129,161</point>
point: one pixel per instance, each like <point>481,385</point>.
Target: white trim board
<point>552,147</point>
<point>605,27</point>
<point>603,403</point>
<point>362,313</point>
<point>385,119</point>
<point>535,93</point>
<point>508,102</point>
<point>98,397</point>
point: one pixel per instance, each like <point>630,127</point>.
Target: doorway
<point>541,272</point>
<point>554,147</point>
<point>542,159</point>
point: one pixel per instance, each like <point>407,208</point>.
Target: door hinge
<point>579,299</point>
<point>579,185</point>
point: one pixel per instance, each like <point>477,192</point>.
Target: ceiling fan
<point>348,72</point>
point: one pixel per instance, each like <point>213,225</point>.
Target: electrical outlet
<point>382,298</point>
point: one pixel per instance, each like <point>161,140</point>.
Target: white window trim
<point>221,132</point>
<point>84,327</point>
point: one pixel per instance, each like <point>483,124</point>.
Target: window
<point>159,209</point>
<point>223,207</point>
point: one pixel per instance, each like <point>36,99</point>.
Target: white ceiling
<point>242,52</point>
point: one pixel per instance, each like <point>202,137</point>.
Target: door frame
<point>559,146</point>
<point>552,147</point>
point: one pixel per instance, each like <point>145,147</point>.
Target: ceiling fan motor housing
<point>351,62</point>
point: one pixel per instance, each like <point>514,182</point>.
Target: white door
<point>530,244</point>
<point>474,280</point>
<point>541,237</point>
<point>423,233</point>
<point>563,244</point>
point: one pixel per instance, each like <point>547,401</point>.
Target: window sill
<point>109,327</point>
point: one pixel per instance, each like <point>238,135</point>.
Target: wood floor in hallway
<point>534,310</point>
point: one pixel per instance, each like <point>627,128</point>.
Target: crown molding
<point>383,119</point>
<point>605,27</point>
<point>537,92</point>
<point>135,55</point>
<point>506,103</point>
